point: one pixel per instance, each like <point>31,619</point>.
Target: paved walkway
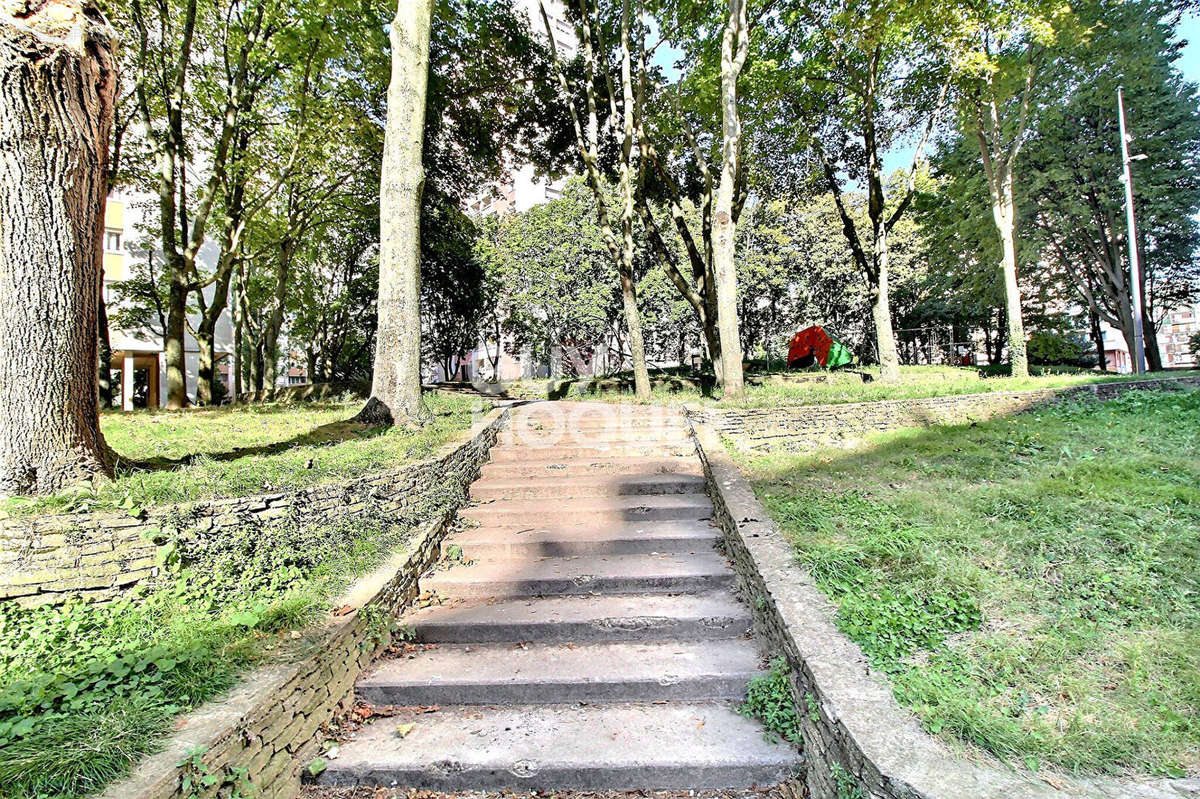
<point>590,640</point>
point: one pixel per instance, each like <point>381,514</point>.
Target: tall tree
<point>696,141</point>
<point>57,87</point>
<point>396,385</point>
<point>587,137</point>
<point>872,76</point>
<point>199,67</point>
<point>1075,209</point>
<point>1004,49</point>
<point>735,45</point>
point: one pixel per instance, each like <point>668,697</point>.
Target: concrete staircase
<point>588,640</point>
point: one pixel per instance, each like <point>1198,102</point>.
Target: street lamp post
<point>1135,270</point>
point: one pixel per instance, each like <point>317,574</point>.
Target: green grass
<point>88,689</point>
<point>1030,584</point>
<point>203,453</point>
<point>816,388</point>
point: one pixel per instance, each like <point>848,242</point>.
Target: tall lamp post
<point>1135,270</point>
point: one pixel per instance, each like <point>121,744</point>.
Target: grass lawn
<point>203,453</point>
<point>87,689</point>
<point>799,388</point>
<point>1030,584</point>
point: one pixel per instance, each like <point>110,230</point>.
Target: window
<point>112,240</point>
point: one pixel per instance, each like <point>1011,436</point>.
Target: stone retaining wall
<point>796,428</point>
<point>270,724</point>
<point>859,743</point>
<point>44,559</point>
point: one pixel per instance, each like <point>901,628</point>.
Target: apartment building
<point>139,370</point>
<point>1174,335</point>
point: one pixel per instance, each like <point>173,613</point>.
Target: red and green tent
<point>813,344</point>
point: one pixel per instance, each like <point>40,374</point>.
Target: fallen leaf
<point>403,730</point>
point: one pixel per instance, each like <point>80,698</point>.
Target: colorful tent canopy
<point>814,344</point>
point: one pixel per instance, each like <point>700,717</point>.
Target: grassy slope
<point>916,381</point>
<point>177,456</point>
<point>1032,584</point>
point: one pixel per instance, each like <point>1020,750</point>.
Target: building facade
<point>139,370</point>
<point>1174,341</point>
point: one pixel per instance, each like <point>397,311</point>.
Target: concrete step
<point>591,436</point>
<point>597,510</point>
<point>591,467</point>
<point>613,574</point>
<point>567,451</point>
<point>581,619</point>
<point>562,747</point>
<point>540,673</point>
<point>586,486</point>
<point>617,538</point>
<point>608,418</point>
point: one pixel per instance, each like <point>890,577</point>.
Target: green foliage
<point>1029,583</point>
<point>1045,347</point>
<point>1194,345</point>
<point>199,779</point>
<point>86,688</point>
<point>845,784</point>
<point>769,699</point>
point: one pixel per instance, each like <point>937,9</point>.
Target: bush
<point>1048,348</point>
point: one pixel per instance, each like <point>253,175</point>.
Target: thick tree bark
<point>396,385</point>
<point>734,46</point>
<point>57,85</point>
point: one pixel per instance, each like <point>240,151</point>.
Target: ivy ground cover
<point>1030,585</point>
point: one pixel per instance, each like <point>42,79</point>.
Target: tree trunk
<point>235,370</point>
<point>206,345</point>
<point>57,85</point>
<point>1150,345</point>
<point>1003,212</point>
<point>173,342</point>
<point>637,347</point>
<point>396,384</point>
<point>104,365</point>
<point>256,371</point>
<point>1097,338</point>
<point>733,53</point>
<point>881,314</point>
<point>274,322</point>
